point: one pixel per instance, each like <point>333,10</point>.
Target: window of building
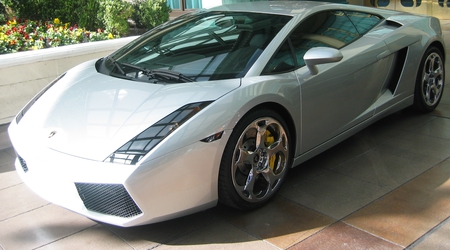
<point>184,4</point>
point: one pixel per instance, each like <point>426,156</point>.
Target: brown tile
<point>405,120</point>
<point>281,222</point>
<point>436,239</point>
<point>418,147</point>
<point>369,138</point>
<point>439,128</point>
<point>219,235</point>
<point>96,237</point>
<point>41,226</point>
<point>338,154</point>
<point>382,168</point>
<point>153,235</point>
<point>334,194</point>
<point>18,199</point>
<point>342,236</point>
<point>410,211</point>
<point>302,173</point>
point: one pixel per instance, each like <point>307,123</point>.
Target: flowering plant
<point>17,35</point>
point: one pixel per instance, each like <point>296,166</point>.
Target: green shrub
<point>111,15</point>
<point>150,13</point>
<point>7,8</point>
<point>87,14</point>
<point>114,15</point>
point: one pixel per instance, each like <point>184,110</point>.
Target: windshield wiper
<point>118,66</point>
<point>160,74</point>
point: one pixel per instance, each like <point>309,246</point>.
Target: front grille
<point>23,163</point>
<point>111,199</point>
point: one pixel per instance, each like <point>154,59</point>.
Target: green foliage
<point>150,13</point>
<point>111,15</point>
<point>87,14</point>
<point>7,8</point>
<point>114,15</point>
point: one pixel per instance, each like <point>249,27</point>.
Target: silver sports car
<point>217,105</point>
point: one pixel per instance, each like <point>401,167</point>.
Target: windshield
<point>196,47</point>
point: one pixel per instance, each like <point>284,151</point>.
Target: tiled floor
<point>388,187</point>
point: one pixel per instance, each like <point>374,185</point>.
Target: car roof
<point>291,8</point>
<point>296,8</point>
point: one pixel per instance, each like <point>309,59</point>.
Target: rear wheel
<point>255,161</point>
<point>430,81</point>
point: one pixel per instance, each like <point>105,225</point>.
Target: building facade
<point>437,8</point>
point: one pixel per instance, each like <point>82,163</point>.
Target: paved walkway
<point>388,187</point>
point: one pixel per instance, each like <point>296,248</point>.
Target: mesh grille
<point>23,163</point>
<point>110,199</point>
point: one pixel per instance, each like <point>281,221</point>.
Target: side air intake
<point>399,64</point>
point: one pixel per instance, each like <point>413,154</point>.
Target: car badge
<point>53,133</point>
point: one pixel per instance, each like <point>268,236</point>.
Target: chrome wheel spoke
<point>271,178</point>
<point>261,127</point>
<point>249,184</point>
<point>243,157</point>
<point>278,146</point>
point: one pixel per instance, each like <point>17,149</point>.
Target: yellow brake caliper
<point>269,140</point>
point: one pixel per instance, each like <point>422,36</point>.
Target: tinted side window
<point>326,29</point>
<point>334,29</point>
<point>282,61</point>
<point>363,21</point>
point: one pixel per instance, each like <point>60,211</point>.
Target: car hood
<point>90,115</point>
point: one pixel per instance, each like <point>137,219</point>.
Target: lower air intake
<point>111,199</point>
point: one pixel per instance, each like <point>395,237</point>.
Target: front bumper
<point>176,184</point>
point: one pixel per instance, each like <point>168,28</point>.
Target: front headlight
<point>30,103</point>
<point>132,151</point>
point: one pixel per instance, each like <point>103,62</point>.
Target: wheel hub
<point>260,160</point>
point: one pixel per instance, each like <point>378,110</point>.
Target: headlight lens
<point>30,103</point>
<point>132,151</point>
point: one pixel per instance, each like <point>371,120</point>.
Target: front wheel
<point>255,161</point>
<point>430,81</point>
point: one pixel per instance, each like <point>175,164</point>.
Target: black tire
<point>252,171</point>
<point>430,81</point>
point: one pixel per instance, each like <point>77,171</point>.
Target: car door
<point>343,93</point>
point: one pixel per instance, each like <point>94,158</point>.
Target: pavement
<point>387,187</point>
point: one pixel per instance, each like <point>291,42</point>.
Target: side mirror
<point>321,55</point>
